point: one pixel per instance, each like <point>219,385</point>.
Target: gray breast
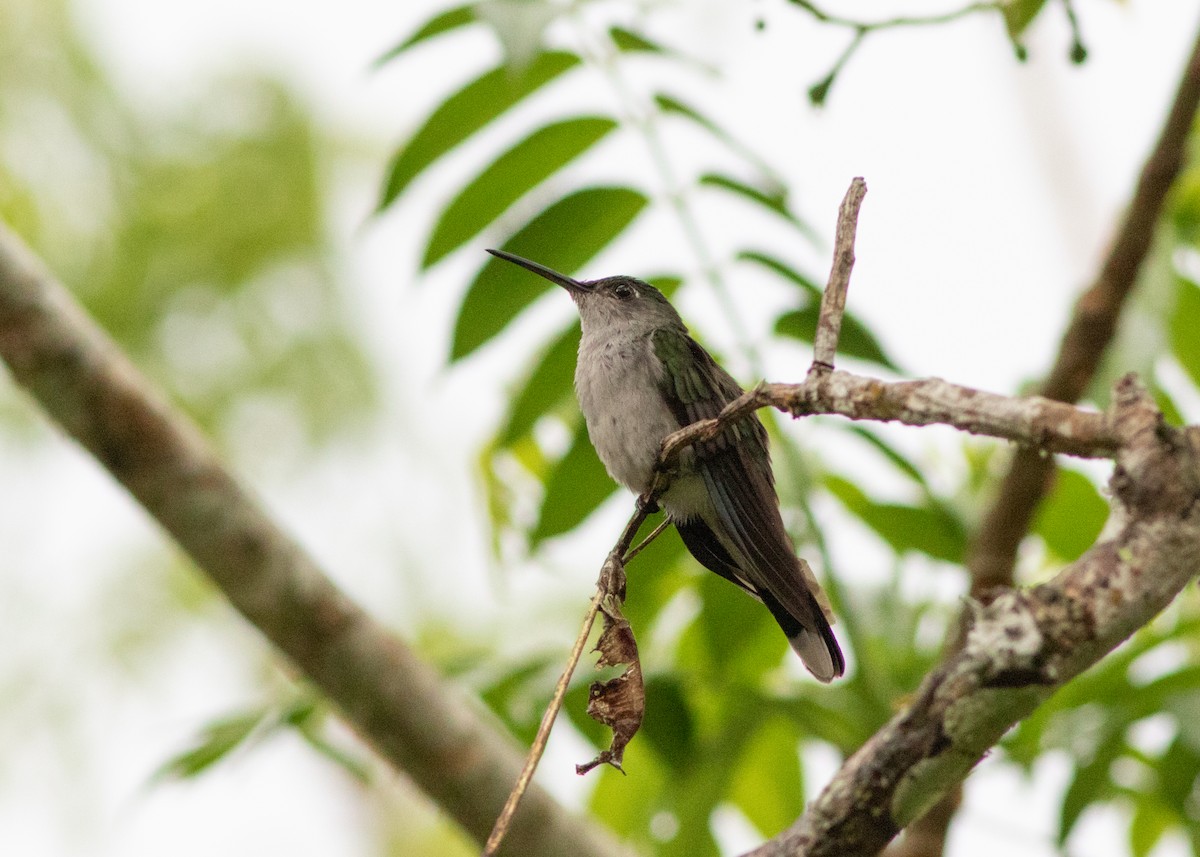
<point>617,380</point>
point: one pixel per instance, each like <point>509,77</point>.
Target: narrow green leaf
<point>739,635</point>
<point>218,740</point>
<point>1185,329</point>
<point>672,729</point>
<point>854,340</point>
<point>897,458</point>
<point>927,529</point>
<point>443,22</point>
<point>546,386</point>
<point>1091,783</point>
<point>564,237</point>
<point>782,269</point>
<point>577,485</point>
<point>310,720</point>
<point>768,785</point>
<point>1070,519</point>
<point>773,198</point>
<point>510,177</point>
<point>468,110</point>
<point>1019,14</point>
<point>1150,821</point>
<point>672,105</point>
<point>631,42</point>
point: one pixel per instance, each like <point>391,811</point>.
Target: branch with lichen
<point>1023,645</point>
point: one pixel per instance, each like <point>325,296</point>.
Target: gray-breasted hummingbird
<point>639,377</point>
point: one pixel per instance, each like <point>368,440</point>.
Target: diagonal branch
<point>389,695</point>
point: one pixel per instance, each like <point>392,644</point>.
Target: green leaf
<point>768,785</point>
<point>564,237</point>
<point>309,718</point>
<point>672,105</point>
<point>740,638</point>
<point>854,340</point>
<point>897,458</point>
<point>628,803</point>
<point>1150,821</point>
<point>517,695</point>
<point>546,386</point>
<point>1185,329</point>
<point>926,529</point>
<point>1091,783</point>
<point>783,270</point>
<point>631,42</point>
<point>218,740</point>
<point>443,22</point>
<point>1071,518</point>
<point>670,729</point>
<point>510,177</point>
<point>577,485</point>
<point>468,110</point>
<point>1177,772</point>
<point>774,198</point>
<point>1019,14</point>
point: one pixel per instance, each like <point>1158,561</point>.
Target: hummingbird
<point>639,377</point>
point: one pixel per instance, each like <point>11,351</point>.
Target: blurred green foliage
<point>196,236</point>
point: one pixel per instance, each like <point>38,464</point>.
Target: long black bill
<point>570,284</point>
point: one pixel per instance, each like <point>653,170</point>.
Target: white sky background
<point>992,187</point>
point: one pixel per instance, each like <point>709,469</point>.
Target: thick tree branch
<point>391,698</point>
<point>1022,646</point>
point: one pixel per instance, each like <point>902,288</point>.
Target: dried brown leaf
<point>620,702</point>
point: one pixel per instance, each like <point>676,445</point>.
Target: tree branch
<point>392,699</point>
<point>991,556</point>
<point>1033,420</point>
<point>1022,646</point>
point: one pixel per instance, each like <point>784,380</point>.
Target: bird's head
<point>625,302</point>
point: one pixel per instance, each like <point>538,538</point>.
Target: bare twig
<point>500,829</point>
<point>818,92</point>
<point>898,21</point>
<point>833,301</point>
<point>609,585</point>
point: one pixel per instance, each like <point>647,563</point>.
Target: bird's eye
<point>624,291</point>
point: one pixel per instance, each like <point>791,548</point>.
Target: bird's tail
<point>811,638</point>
